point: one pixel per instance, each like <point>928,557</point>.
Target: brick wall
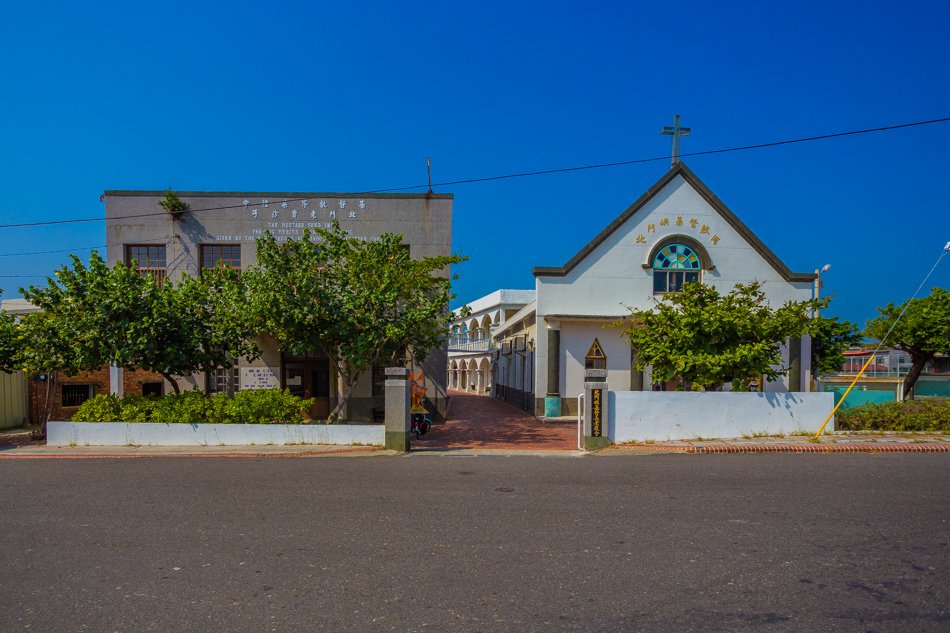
<point>55,381</point>
<point>132,384</point>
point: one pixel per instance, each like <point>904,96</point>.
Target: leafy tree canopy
<point>829,339</point>
<point>9,342</point>
<point>707,339</point>
<point>93,316</point>
<point>923,332</point>
<point>359,302</point>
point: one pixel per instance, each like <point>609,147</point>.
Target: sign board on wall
<point>596,412</point>
<point>259,378</point>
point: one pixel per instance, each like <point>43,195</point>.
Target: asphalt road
<point>427,543</point>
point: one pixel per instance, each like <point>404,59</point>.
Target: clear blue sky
<point>351,96</point>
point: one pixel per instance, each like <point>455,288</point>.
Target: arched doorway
<point>474,379</point>
<point>484,373</point>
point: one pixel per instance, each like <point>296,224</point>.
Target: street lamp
<point>816,288</point>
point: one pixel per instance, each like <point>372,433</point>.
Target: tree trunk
<point>341,402</point>
<point>915,370</point>
<point>172,380</point>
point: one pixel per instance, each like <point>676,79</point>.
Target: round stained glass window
<point>676,257</point>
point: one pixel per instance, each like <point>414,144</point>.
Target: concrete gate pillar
<point>552,398</point>
<point>398,402</point>
<point>595,409</point>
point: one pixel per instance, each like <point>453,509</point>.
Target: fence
<point>932,387</point>
<point>13,399</point>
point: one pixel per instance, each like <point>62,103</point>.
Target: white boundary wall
<point>156,434</point>
<point>683,415</point>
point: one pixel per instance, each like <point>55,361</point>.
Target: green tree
<point>829,338</point>
<point>9,342</point>
<point>923,332</point>
<point>707,339</point>
<point>93,316</point>
<point>359,302</point>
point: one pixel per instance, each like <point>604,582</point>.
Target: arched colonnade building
<point>472,352</point>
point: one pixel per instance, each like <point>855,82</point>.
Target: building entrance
<point>310,378</point>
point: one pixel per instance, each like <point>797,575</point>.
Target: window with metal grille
<point>75,395</point>
<point>223,380</point>
<point>147,255</point>
<point>150,259</point>
<point>213,255</point>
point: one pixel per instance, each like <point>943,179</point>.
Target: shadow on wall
<point>782,399</point>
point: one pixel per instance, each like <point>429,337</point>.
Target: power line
<point>59,250</point>
<point>525,174</point>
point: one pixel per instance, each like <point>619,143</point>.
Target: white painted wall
<point>576,339</point>
<point>152,434</point>
<point>681,415</point>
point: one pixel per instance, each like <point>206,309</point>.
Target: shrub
<point>100,408</point>
<point>916,416</point>
<point>136,408</point>
<point>264,406</point>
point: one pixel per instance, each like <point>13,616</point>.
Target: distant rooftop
<point>503,297</point>
<point>17,306</point>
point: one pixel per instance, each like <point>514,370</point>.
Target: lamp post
<point>816,288</point>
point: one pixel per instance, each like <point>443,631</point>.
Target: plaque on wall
<point>259,378</point>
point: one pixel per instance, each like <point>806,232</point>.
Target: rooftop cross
<point>676,132</point>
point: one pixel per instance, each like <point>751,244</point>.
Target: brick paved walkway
<point>486,422</point>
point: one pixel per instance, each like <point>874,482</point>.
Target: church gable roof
<point>680,169</point>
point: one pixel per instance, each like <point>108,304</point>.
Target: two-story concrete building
<point>221,228</point>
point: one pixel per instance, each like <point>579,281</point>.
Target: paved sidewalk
<point>483,422</point>
<point>518,435</point>
<point>836,443</point>
<point>41,451</point>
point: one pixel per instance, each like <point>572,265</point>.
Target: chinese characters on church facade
<point>680,221</point>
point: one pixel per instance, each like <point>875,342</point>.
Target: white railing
<point>461,345</point>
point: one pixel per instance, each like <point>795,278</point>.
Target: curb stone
<point>15,454</point>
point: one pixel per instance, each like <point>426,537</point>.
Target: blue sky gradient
<point>353,96</point>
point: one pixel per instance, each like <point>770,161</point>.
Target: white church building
<point>677,231</point>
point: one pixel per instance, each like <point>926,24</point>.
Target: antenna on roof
<point>429,173</point>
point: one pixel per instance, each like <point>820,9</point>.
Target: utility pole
<point>429,173</point>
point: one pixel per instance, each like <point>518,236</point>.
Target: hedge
<point>259,406</point>
<point>912,416</point>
